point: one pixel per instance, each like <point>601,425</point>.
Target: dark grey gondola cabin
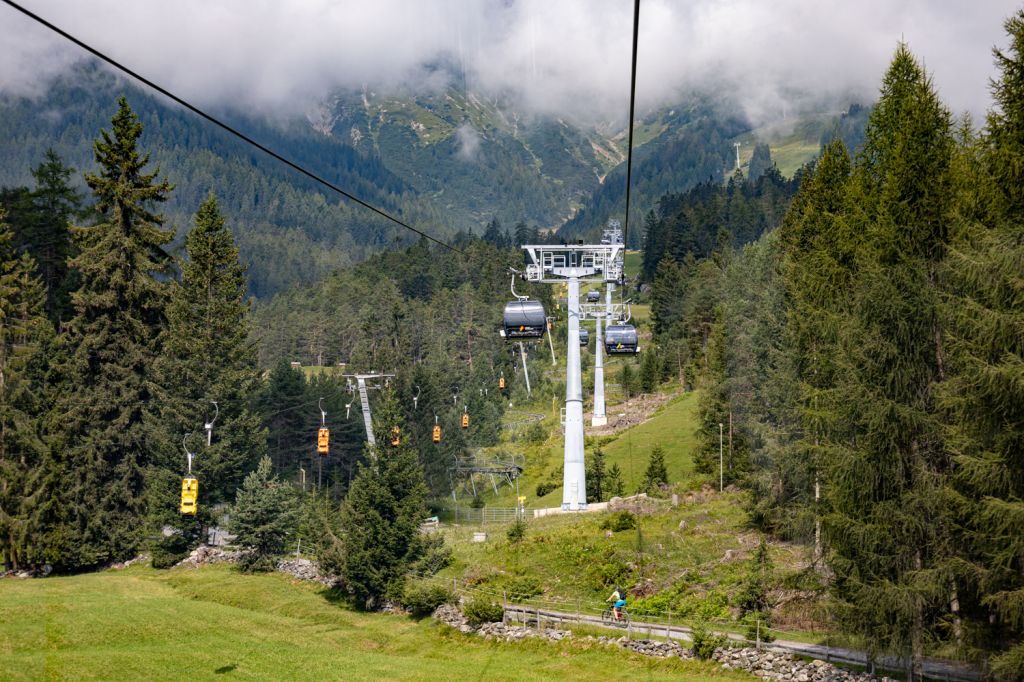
<point>584,337</point>
<point>621,339</point>
<point>524,320</point>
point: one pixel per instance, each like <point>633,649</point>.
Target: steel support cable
<point>632,107</point>
<point>224,126</point>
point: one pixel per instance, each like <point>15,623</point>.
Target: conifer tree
<point>54,203</point>
<point>23,331</point>
<point>288,429</point>
<point>667,295</point>
<point>615,487</point>
<point>264,513</point>
<point>381,516</point>
<point>656,473</point>
<point>596,476</point>
<point>94,501</point>
<point>208,356</point>
<point>985,390</point>
<point>888,495</point>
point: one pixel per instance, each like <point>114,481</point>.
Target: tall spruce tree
<point>816,271</point>
<point>208,356</point>
<point>23,331</point>
<point>985,389</point>
<point>889,501</point>
<point>94,504</point>
<point>381,516</point>
<point>54,203</point>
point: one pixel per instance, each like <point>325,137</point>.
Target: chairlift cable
<point>632,107</point>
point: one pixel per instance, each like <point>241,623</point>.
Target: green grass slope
<point>217,624</point>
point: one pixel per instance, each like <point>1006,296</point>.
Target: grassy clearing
<point>673,427</point>
<point>215,623</point>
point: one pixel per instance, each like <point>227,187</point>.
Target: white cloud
<point>569,56</point>
<point>469,142</point>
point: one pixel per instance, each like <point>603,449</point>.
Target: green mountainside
<point>446,162</point>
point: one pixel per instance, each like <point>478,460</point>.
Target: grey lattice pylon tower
<point>573,264</point>
<point>375,378</point>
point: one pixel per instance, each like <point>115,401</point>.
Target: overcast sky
<point>561,56</point>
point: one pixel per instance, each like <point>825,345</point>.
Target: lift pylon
<point>573,264</point>
<point>376,381</point>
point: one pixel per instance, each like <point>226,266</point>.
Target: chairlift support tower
<point>550,264</point>
<point>611,235</point>
<point>375,379</point>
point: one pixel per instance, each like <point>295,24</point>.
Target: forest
<point>865,359</point>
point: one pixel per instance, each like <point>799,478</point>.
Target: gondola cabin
<point>620,339</point>
<point>524,320</point>
<point>501,383</point>
<point>593,296</point>
<point>465,421</point>
<point>396,436</point>
<point>189,496</point>
<point>323,439</point>
<point>584,337</point>
<point>436,437</point>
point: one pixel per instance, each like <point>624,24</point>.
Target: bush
<point>522,587</point>
<point>437,555</point>
<point>481,610</point>
<point>517,531</point>
<point>757,627</point>
<point>477,503</point>
<point>545,487</point>
<point>423,600</point>
<point>168,551</point>
<point>705,642</point>
<point>622,520</point>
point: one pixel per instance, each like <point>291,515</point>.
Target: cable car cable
<point>632,106</point>
<point>217,122</point>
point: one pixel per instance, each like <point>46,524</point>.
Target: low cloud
<point>469,142</point>
<point>569,57</point>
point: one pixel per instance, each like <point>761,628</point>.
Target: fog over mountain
<point>569,57</point>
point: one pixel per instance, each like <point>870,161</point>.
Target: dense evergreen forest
<point>865,360</point>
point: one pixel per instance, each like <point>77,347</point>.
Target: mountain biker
<point>618,601</point>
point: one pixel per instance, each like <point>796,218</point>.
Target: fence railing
<point>470,516</point>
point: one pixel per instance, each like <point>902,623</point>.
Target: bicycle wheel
<point>624,618</point>
<point>606,616</point>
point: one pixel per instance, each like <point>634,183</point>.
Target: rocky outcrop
<point>450,615</point>
<point>204,554</point>
<point>304,569</point>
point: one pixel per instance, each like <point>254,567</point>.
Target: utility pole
<point>721,460</point>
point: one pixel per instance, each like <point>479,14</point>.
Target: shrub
<point>517,531</point>
<point>423,600</point>
<point>622,520</point>
<point>436,556</point>
<point>477,503</point>
<point>705,642</point>
<point>481,610</point>
<point>545,487</point>
<point>757,627</point>
<point>169,551</point>
<point>522,587</point>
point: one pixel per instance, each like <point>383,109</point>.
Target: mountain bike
<point>608,617</point>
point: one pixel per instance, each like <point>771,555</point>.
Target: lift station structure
<point>573,264</point>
